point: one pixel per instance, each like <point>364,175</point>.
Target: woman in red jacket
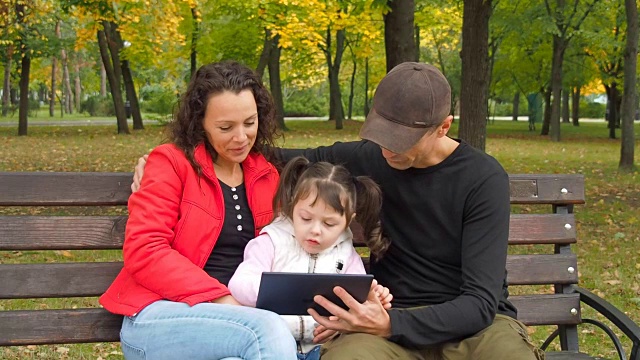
<point>209,193</point>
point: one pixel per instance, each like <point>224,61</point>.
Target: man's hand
<point>369,317</point>
<point>138,172</point>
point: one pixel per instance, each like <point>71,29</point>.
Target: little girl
<point>315,203</point>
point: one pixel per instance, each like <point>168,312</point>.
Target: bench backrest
<point>557,266</point>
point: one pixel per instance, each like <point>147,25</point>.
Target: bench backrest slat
<point>88,188</point>
<point>107,232</point>
<point>61,232</point>
<point>23,281</point>
<point>75,189</point>
<point>553,309</point>
<point>58,326</point>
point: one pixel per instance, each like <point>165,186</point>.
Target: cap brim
<point>392,136</point>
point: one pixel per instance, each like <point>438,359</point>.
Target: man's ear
<point>445,126</point>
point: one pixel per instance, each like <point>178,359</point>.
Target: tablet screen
<point>292,293</point>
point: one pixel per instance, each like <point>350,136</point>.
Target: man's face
<point>413,157</point>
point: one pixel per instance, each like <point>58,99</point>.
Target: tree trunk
<point>132,96</point>
<point>546,118</point>
<point>78,85</point>
<point>565,105</point>
<point>275,82</point>
<point>6,83</point>
<point>114,76</point>
<point>25,65</point>
<point>612,106</point>
<point>399,41</point>
<point>475,72</point>
<point>516,106</point>
<point>575,108</point>
<point>103,79</point>
<point>630,91</point>
<point>66,85</point>
<point>266,52</point>
<point>68,95</point>
<point>366,87</point>
<point>352,87</point>
<point>416,32</point>
<point>194,42</point>
<point>54,71</point>
<point>336,110</point>
<point>129,86</point>
<point>559,47</point>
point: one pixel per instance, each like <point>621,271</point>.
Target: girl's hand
<point>384,295</point>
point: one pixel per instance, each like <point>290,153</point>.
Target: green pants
<point>505,339</point>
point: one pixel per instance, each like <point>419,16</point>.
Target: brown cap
<point>411,99</point>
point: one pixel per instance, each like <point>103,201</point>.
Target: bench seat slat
<point>64,188</point>
<point>551,309</point>
<point>38,327</point>
<point>546,189</point>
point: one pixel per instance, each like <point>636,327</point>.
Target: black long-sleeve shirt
<point>449,226</point>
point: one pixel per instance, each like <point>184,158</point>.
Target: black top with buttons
<point>237,230</point>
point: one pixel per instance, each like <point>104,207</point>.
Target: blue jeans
<point>174,330</point>
<point>313,354</point>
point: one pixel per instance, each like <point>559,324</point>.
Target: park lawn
<point>608,224</point>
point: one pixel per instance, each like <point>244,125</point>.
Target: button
<point>237,207</point>
<point>233,189</point>
<point>239,217</point>
<point>235,196</point>
<point>416,67</point>
<point>239,227</point>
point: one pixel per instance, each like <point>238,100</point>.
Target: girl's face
<point>317,226</point>
<point>231,125</point>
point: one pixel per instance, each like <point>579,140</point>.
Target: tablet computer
<point>292,293</point>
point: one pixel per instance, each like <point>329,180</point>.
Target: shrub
<point>592,110</point>
<point>158,100</point>
<point>308,102</point>
<point>97,105</point>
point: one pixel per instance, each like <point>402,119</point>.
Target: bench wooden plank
<point>37,327</point>
<point>546,189</point>
<point>542,269</point>
<point>107,232</point>
<point>61,232</point>
<point>551,309</point>
<point>64,188</point>
<point>23,281</point>
<point>94,188</point>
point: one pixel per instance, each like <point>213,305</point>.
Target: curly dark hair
<point>186,130</point>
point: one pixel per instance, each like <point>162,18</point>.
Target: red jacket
<point>174,222</point>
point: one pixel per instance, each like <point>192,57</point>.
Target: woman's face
<point>231,124</point>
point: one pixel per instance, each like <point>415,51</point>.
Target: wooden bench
<point>555,266</point>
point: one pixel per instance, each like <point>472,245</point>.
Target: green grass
<point>608,224</point>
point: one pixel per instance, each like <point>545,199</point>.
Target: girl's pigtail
<point>368,207</point>
<point>282,201</point>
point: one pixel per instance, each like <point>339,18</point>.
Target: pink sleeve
<point>354,264</point>
<point>258,258</point>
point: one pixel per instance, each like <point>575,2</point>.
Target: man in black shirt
<point>446,212</point>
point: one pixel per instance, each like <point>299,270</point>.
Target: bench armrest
<point>617,317</point>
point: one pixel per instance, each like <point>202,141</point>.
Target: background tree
<point>475,72</point>
<point>630,99</point>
